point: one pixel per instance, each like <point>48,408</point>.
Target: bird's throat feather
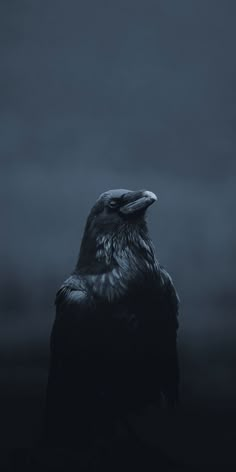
<point>127,259</point>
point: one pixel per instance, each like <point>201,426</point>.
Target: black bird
<point>113,343</point>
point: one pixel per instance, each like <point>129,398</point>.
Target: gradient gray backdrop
<point>135,94</point>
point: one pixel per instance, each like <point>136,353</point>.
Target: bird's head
<point>117,213</point>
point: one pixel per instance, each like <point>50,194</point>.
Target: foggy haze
<point>101,95</point>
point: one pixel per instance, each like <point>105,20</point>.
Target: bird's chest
<point>134,319</point>
<point>143,301</point>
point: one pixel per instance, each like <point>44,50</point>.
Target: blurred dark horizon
<point>130,94</point>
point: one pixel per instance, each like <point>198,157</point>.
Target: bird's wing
<point>77,320</point>
<point>168,341</point>
<point>71,374</point>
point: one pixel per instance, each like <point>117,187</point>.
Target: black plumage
<point>113,343</point>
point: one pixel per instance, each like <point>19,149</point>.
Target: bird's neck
<point>120,259</point>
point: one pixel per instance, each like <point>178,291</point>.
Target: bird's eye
<point>113,203</point>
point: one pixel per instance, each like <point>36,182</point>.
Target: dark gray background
<point>98,95</point>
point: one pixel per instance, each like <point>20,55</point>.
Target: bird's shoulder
<point>73,290</point>
<point>170,298</point>
<point>74,309</point>
<point>167,283</point>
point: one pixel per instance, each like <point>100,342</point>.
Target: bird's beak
<point>135,202</point>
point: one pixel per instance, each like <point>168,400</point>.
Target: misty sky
<point>98,95</point>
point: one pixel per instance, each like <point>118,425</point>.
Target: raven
<point>114,338</point>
